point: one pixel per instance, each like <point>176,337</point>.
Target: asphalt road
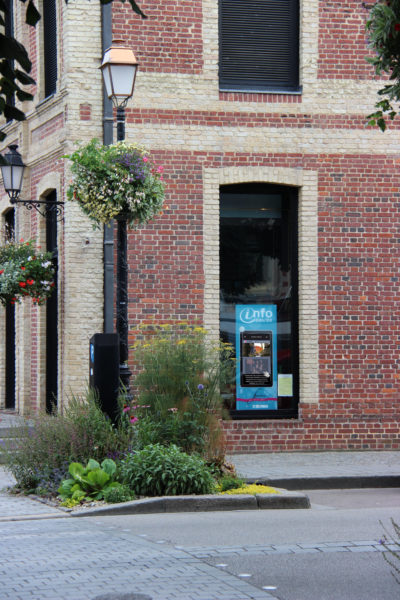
<point>330,552</point>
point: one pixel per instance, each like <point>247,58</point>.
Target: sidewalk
<point>321,470</point>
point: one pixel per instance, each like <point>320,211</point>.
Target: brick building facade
<point>297,143</point>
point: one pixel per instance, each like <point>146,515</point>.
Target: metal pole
<point>120,124</point>
<point>122,281</point>
<point>108,236</point>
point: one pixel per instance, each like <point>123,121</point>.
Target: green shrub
<point>49,443</point>
<point>157,470</point>
<point>183,429</point>
<point>230,482</point>
<point>90,482</point>
<point>180,377</point>
<point>116,494</point>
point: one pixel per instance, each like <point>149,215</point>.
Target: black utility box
<point>104,371</point>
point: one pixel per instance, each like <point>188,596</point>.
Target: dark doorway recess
<point>10,327</point>
<point>52,312</point>
<point>259,267</point>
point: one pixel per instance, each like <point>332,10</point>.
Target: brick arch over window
<point>307,184</point>
<point>48,183</point>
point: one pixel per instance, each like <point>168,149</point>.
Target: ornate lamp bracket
<point>43,207</point>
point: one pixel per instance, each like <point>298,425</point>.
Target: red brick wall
<point>169,40</point>
<point>359,244</point>
<point>342,40</point>
<point>359,313</point>
<point>319,428</point>
<point>166,258</point>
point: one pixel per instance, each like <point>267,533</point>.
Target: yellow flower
<point>200,330</point>
<point>253,489</point>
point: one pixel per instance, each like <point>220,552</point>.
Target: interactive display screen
<point>256,359</point>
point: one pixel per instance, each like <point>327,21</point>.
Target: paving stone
<point>117,596</point>
<point>363,549</point>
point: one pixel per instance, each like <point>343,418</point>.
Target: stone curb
<point>329,482</point>
<point>173,504</point>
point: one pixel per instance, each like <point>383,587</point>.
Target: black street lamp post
<point>119,69</point>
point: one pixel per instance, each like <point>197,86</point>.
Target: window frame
<point>292,193</point>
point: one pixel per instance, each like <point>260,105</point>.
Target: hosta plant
<point>25,272</point>
<point>116,181</point>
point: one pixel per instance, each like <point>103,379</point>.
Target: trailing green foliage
<point>180,377</point>
<point>48,443</point>
<point>157,470</point>
<point>90,482</point>
<point>383,27</point>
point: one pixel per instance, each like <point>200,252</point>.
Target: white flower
<point>46,264</point>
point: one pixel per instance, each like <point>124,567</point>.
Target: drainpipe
<point>108,237</point>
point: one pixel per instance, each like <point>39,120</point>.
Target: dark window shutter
<point>50,46</point>
<point>9,32</point>
<point>259,45</point>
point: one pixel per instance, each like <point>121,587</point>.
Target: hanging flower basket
<point>25,272</point>
<point>117,181</point>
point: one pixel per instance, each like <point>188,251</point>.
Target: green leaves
<point>32,15</point>
<point>383,27</point>
<point>89,482</point>
<point>157,470</point>
<point>109,467</point>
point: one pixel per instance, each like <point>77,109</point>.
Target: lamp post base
<point>124,378</point>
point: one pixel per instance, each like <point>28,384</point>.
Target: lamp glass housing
<point>13,172</point>
<point>119,69</point>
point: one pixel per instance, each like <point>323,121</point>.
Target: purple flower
<point>200,386</point>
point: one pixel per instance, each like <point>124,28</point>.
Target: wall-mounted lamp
<point>13,173</point>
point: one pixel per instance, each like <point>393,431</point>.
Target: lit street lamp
<point>119,69</point>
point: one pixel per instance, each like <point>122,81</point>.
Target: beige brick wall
<point>80,278</point>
